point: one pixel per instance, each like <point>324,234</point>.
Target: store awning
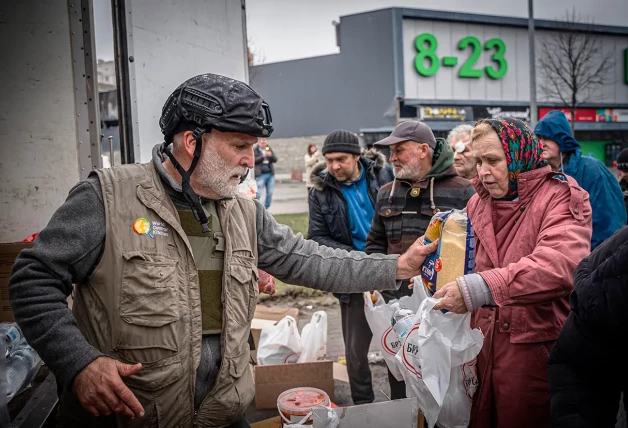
<point>383,130</point>
<point>601,126</point>
<point>445,125</point>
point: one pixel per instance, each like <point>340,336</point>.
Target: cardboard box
<point>265,315</point>
<point>268,423</point>
<point>340,373</point>
<point>271,381</point>
<point>8,254</point>
<point>396,413</point>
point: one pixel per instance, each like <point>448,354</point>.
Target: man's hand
<point>101,391</point>
<point>268,154</point>
<point>409,264</point>
<point>451,299</point>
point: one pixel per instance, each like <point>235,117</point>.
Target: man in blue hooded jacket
<point>563,153</point>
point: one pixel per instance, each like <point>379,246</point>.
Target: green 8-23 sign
<point>427,61</point>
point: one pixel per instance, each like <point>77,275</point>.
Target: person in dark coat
<point>265,170</point>
<point>587,367</point>
<point>563,153</point>
<point>342,201</point>
<point>622,166</point>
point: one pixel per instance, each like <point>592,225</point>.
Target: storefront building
<point>443,68</point>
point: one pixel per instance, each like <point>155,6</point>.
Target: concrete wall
<point>38,141</point>
<point>290,152</point>
<point>350,90</point>
<point>173,41</point>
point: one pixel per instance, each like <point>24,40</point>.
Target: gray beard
<point>213,174</point>
<point>407,173</point>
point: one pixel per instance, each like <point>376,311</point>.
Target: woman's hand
<point>450,299</point>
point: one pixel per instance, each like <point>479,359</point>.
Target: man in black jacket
<point>587,367</point>
<point>265,170</point>
<point>342,202</point>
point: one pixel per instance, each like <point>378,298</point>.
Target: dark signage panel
<point>493,112</point>
<point>458,114</point>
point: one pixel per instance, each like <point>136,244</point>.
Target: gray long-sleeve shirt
<point>68,249</point>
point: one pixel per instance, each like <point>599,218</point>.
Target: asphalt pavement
<point>288,198</point>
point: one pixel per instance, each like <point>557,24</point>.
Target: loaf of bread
<point>455,254</point>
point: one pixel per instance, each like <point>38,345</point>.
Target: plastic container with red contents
<point>295,405</point>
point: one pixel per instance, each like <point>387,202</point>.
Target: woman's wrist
<point>464,291</point>
<point>477,291</point>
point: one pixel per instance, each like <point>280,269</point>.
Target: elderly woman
<point>532,228</point>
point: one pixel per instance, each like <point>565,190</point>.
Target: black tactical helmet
<point>206,102</point>
<point>211,101</point>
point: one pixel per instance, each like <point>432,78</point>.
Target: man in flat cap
<point>425,183</point>
<point>164,257</point>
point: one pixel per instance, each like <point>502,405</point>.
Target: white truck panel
<point>173,41</point>
<point>38,136</point>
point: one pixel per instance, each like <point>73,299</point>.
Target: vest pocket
<point>243,382</point>
<point>154,378</point>
<point>148,310</point>
<point>243,272</point>
<point>148,295</point>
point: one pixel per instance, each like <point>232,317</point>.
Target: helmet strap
<point>193,199</point>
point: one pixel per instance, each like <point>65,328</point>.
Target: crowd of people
<point>162,262</point>
<point>538,208</point>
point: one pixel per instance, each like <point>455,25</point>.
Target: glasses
<point>460,146</point>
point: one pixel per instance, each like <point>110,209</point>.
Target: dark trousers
<point>397,388</point>
<point>357,337</point>
<point>242,423</point>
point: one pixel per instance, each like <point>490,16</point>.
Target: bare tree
<point>573,63</point>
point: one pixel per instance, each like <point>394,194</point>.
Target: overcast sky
<point>280,30</point>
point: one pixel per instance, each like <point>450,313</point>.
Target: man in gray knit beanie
<point>342,202</point>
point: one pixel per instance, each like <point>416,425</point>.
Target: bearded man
<point>164,257</point>
<point>425,183</point>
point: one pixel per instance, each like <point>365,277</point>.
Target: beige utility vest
<point>142,303</point>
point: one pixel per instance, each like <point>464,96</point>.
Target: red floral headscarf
<point>523,150</point>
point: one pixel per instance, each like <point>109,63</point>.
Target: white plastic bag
<point>314,338</point>
<point>279,343</point>
<point>386,339</point>
<point>438,361</point>
<point>378,315</point>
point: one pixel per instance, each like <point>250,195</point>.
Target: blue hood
<point>555,126</point>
